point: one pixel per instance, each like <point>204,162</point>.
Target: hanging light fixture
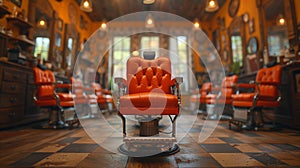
<point>280,20</point>
<point>103,25</point>
<point>148,2</point>
<point>196,24</point>
<point>149,21</point>
<point>42,23</point>
<point>211,6</point>
<point>86,5</point>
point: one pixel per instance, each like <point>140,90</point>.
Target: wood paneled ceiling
<point>111,9</point>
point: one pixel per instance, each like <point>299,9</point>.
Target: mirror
<point>252,46</point>
<point>41,16</point>
<point>70,46</point>
<point>276,27</point>
<point>236,34</point>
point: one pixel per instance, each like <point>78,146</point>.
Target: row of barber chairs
<point>243,102</point>
<point>68,101</point>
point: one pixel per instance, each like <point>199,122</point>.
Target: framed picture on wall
<point>17,2</point>
<point>251,26</point>
<point>60,24</point>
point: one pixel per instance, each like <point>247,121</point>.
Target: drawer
<point>11,100</point>
<point>7,116</point>
<point>14,75</point>
<point>13,87</point>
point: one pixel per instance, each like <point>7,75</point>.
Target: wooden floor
<point>28,147</point>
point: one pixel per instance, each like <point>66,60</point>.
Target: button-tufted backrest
<point>44,79</point>
<point>227,85</point>
<point>206,88</point>
<point>146,75</point>
<point>270,75</point>
<point>268,79</point>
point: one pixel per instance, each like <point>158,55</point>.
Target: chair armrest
<point>122,87</point>
<point>245,85</point>
<point>179,80</point>
<point>63,85</point>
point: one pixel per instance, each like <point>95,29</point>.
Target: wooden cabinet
<point>288,112</point>
<point>16,95</point>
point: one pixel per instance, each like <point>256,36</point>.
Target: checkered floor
<point>28,147</point>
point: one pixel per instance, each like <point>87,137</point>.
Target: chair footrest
<point>149,139</point>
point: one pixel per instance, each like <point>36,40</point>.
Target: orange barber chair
<point>46,95</point>
<point>104,97</point>
<point>223,97</point>
<point>87,102</point>
<point>205,90</point>
<point>248,106</point>
<point>149,93</point>
<point>201,96</point>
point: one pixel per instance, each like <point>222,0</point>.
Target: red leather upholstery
<point>103,96</point>
<point>78,91</point>
<point>149,85</point>
<point>227,89</point>
<point>45,95</point>
<point>267,80</point>
<point>205,90</point>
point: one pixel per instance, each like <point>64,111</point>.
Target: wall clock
<point>233,7</point>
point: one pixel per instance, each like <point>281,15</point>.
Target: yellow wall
<point>297,9</point>
<point>246,6</point>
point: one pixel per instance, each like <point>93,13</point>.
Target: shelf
<point>3,11</point>
<point>19,22</point>
<point>20,40</point>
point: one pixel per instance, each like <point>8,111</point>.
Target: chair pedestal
<point>150,146</point>
<point>149,128</point>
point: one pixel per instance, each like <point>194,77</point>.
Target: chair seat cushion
<point>258,104</point>
<point>243,97</point>
<point>212,99</point>
<point>52,102</point>
<point>246,100</point>
<point>149,103</point>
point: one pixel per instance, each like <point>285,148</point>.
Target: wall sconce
<point>211,6</point>
<point>280,20</point>
<point>196,24</point>
<point>86,5</point>
<point>149,21</point>
<point>42,23</point>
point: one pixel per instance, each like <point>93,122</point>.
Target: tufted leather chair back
<point>146,75</point>
<point>45,80</point>
<point>227,85</point>
<point>269,78</point>
<point>206,88</point>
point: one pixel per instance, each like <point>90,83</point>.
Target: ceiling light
<point>149,21</point>
<point>42,23</point>
<point>86,5</point>
<point>103,25</point>
<point>196,24</point>
<point>211,6</point>
<point>148,2</point>
<point>280,20</point>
